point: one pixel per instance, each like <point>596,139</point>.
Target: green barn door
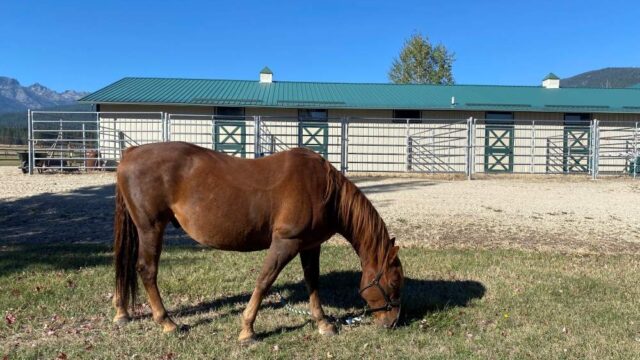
<point>313,130</point>
<point>230,131</point>
<point>498,142</point>
<point>575,142</point>
<point>230,137</point>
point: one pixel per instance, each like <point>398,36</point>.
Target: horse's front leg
<point>311,266</point>
<point>278,256</point>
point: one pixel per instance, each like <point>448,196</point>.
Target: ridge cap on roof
<point>323,82</point>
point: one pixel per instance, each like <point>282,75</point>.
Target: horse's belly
<point>234,243</point>
<point>225,234</point>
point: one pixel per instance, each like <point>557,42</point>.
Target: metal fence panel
<point>95,140</point>
<point>233,135</point>
<point>71,141</point>
<point>282,133</point>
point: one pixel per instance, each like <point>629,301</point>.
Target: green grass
<point>457,304</point>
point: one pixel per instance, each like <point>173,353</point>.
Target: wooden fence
<point>9,154</point>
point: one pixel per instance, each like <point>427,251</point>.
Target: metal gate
<point>498,148</point>
<point>230,136</point>
<point>314,136</point>
<point>82,141</point>
<point>576,144</point>
<point>438,148</point>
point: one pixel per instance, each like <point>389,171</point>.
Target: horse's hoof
<point>121,320</point>
<point>327,329</point>
<point>169,328</point>
<point>248,341</point>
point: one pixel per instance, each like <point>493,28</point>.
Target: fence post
<point>344,145</point>
<point>467,158</point>
<point>121,142</point>
<point>472,147</point>
<point>84,147</point>
<point>98,143</point>
<point>635,150</point>
<point>29,144</point>
<point>31,153</point>
<point>533,146</point>
<point>256,137</point>
<point>165,126</point>
<point>409,148</point>
<point>60,153</point>
<point>595,158</point>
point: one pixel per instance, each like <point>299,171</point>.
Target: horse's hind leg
<point>149,250</point>
<point>278,256</point>
<point>311,267</point>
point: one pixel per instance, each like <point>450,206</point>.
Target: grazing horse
<point>289,203</point>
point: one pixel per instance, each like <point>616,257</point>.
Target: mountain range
<point>17,98</point>
<point>621,77</point>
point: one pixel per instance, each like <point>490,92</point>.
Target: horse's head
<point>380,288</point>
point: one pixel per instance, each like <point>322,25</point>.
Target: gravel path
<point>558,214</point>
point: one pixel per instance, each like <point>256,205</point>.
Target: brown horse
<point>288,203</point>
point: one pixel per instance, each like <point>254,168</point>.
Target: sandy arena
<point>566,214</point>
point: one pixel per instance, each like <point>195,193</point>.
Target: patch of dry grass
<point>457,304</point>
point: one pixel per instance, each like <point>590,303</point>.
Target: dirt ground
<point>565,214</point>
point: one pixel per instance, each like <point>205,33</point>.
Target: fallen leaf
<point>61,356</point>
<point>10,318</point>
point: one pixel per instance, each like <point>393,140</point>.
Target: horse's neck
<point>369,241</point>
<point>369,256</point>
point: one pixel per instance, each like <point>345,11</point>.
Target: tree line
<point>13,136</point>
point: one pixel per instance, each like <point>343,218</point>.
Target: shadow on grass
<point>83,215</point>
<point>15,258</point>
<point>420,297</point>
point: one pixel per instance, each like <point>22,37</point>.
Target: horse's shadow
<point>419,298</point>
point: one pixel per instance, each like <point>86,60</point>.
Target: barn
<point>367,127</point>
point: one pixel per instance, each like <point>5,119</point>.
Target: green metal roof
<point>266,70</point>
<point>551,76</point>
<point>283,94</point>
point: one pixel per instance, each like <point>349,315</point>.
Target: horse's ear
<point>393,254</point>
<point>393,241</point>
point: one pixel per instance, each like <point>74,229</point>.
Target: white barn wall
<point>376,145</point>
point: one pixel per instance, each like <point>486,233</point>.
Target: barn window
<point>230,113</point>
<point>577,119</point>
<point>312,115</point>
<point>499,118</point>
<point>401,116</point>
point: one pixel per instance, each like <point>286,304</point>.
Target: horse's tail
<point>125,249</point>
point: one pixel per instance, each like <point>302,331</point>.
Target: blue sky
<point>85,45</point>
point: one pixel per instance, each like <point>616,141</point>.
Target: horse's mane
<point>359,220</point>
